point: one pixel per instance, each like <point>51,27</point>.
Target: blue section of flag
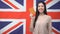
<point>4,23</point>
<point>4,6</point>
<point>55,6</point>
<point>56,25</point>
<point>20,2</point>
<point>18,30</point>
<point>39,0</point>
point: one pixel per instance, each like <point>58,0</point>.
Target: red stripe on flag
<point>55,31</point>
<point>29,5</point>
<point>54,15</point>
<point>11,4</point>
<point>48,1</point>
<point>13,15</point>
<point>12,28</point>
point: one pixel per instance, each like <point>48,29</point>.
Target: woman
<point>41,23</point>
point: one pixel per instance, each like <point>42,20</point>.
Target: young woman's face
<point>40,7</point>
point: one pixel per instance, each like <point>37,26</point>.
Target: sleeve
<point>31,24</point>
<point>50,26</point>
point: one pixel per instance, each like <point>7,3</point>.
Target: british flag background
<point>15,15</point>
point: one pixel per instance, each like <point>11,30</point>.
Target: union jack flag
<point>15,19</point>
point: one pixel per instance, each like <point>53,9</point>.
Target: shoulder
<point>48,16</point>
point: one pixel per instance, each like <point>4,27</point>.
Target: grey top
<point>43,25</point>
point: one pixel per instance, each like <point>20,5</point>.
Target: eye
<point>38,6</point>
<point>42,6</point>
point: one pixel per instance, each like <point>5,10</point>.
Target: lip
<point>40,10</point>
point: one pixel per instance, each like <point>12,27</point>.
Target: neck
<point>41,14</point>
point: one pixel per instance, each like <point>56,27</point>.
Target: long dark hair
<point>37,12</point>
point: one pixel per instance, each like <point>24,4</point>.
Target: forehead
<point>40,4</point>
